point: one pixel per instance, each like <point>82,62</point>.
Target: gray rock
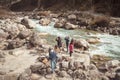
<point>24,33</point>
<point>70,26</point>
<point>63,74</point>
<point>44,21</point>
<point>72,17</point>
<point>36,67</point>
<point>28,23</point>
<point>11,77</point>
<point>36,40</point>
<point>112,63</point>
<point>64,65</point>
<point>81,43</point>
<point>117,77</point>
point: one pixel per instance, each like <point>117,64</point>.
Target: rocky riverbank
<point>82,20</point>
<point>24,53</point>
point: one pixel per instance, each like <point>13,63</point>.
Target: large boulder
<point>28,23</point>
<point>70,26</point>
<point>36,40</point>
<point>15,43</point>
<point>60,23</point>
<point>44,21</point>
<point>24,33</point>
<point>81,43</point>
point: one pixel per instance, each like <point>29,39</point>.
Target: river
<point>109,45</point>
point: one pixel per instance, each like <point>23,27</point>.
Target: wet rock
<point>44,21</point>
<point>81,43</point>
<point>70,26</point>
<point>72,17</point>
<point>28,23</point>
<point>93,40</point>
<point>60,23</point>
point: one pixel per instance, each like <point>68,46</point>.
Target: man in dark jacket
<point>53,59</point>
<point>67,42</point>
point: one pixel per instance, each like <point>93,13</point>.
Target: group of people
<point>53,53</point>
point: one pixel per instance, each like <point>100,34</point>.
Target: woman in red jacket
<point>71,47</point>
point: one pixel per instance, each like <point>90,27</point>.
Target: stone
<point>104,78</point>
<point>35,40</point>
<point>64,65</point>
<point>70,72</point>
<point>117,77</point>
<point>112,63</point>
<point>44,21</point>
<point>81,43</point>
<point>60,23</point>
<point>35,76</point>
<point>3,34</point>
<point>15,43</point>
<point>93,40</point>
<point>24,34</point>
<point>70,26</point>
<point>72,17</point>
<point>94,75</point>
<point>36,67</point>
<point>3,45</point>
<point>11,76</point>
<point>2,55</point>
<point>71,65</point>
<point>63,74</point>
<point>28,23</point>
<point>80,74</point>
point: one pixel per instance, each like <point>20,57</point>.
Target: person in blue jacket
<point>53,59</point>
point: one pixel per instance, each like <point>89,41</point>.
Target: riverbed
<point>109,44</point>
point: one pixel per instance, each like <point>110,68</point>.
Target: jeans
<point>53,65</point>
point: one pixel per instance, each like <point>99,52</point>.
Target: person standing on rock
<point>67,42</point>
<point>59,42</point>
<point>71,47</point>
<point>53,59</point>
